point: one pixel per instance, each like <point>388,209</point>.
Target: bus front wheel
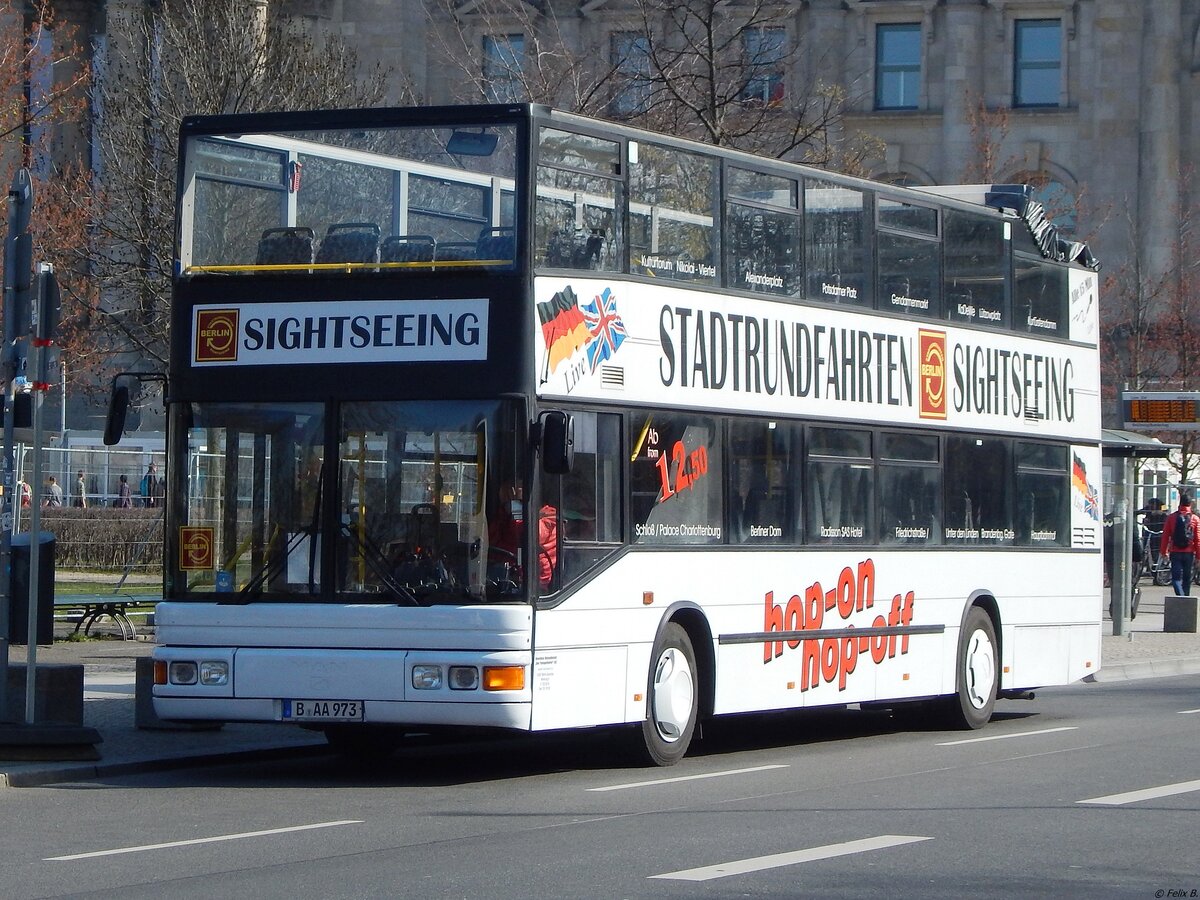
<point>978,673</point>
<point>672,701</point>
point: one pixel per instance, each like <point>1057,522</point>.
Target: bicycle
<point>1153,563</point>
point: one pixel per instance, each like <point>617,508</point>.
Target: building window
<point>503,64</point>
<point>1037,62</point>
<point>631,74</point>
<point>765,52</point>
<point>897,66</point>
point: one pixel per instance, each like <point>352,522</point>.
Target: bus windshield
<point>419,502</point>
<point>352,201</point>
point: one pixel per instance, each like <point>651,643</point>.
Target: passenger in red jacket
<point>1181,538</point>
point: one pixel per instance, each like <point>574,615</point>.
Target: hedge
<point>103,538</point>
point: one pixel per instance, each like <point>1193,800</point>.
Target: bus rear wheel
<point>978,673</point>
<point>672,701</point>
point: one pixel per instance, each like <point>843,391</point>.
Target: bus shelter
<point>1119,449</point>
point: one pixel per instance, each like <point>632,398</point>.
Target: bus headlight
<point>181,672</point>
<point>214,672</point>
<point>464,678</point>
<point>426,678</point>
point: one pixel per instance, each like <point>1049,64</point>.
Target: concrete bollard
<point>58,693</point>
<point>1179,614</point>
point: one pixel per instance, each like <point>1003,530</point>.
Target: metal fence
<point>92,532</point>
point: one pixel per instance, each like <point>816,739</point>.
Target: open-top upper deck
<point>353,199</point>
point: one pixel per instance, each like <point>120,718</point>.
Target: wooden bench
<point>85,609</point>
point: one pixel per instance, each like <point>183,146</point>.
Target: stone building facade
<point>1091,99</point>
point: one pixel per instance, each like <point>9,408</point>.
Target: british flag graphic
<point>605,326</point>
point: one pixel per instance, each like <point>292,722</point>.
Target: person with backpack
<point>1181,538</point>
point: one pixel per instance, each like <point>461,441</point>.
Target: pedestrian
<point>53,495</point>
<point>124,493</point>
<point>1181,538</point>
<point>26,494</point>
<point>80,501</point>
<point>151,487</point>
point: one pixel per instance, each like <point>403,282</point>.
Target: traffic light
<point>22,410</point>
<point>49,304</point>
<point>47,313</point>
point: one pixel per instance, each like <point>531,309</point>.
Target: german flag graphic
<point>563,327</point>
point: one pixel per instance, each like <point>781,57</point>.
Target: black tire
<point>672,698</point>
<point>978,673</point>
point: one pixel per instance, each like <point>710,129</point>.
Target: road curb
<point>61,774</point>
<point>1135,670</point>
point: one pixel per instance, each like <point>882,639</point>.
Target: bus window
<point>1043,496</point>
<point>763,250</point>
<point>673,202</point>
<point>836,257</point>
<point>252,499</point>
<point>978,499</point>
<point>575,221</point>
<point>337,192</point>
<point>676,480</point>
<point>764,485</point>
<point>763,232</point>
<point>975,252</point>
<point>413,502</point>
<point>239,195</point>
<point>587,502</point>
<point>910,259</point>
<point>1040,297</point>
<point>841,475</point>
<point>910,489</point>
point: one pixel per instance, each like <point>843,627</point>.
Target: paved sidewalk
<point>1143,652</point>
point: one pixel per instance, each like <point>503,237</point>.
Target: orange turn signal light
<point>504,678</point>
<point>160,671</point>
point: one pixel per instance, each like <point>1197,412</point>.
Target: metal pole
<point>35,547</point>
<point>20,200</point>
<point>1122,530</point>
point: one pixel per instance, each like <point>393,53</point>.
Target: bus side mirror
<point>557,442</point>
<point>118,408</point>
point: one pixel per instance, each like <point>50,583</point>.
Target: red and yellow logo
<point>216,335</point>
<point>932,355</point>
<point>195,548</point>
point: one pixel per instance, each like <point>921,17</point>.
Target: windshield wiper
<point>377,561</point>
<point>253,588</point>
<point>277,563</point>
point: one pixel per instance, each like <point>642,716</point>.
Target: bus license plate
<point>323,710</point>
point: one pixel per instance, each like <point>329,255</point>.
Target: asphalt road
<point>1090,790</point>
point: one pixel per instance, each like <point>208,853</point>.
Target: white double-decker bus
<point>499,416</point>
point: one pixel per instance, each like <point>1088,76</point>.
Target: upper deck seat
<point>496,243</point>
<point>408,248</point>
<point>453,251</point>
<point>350,242</point>
<point>283,246</point>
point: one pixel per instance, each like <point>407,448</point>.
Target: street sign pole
<point>17,280</point>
